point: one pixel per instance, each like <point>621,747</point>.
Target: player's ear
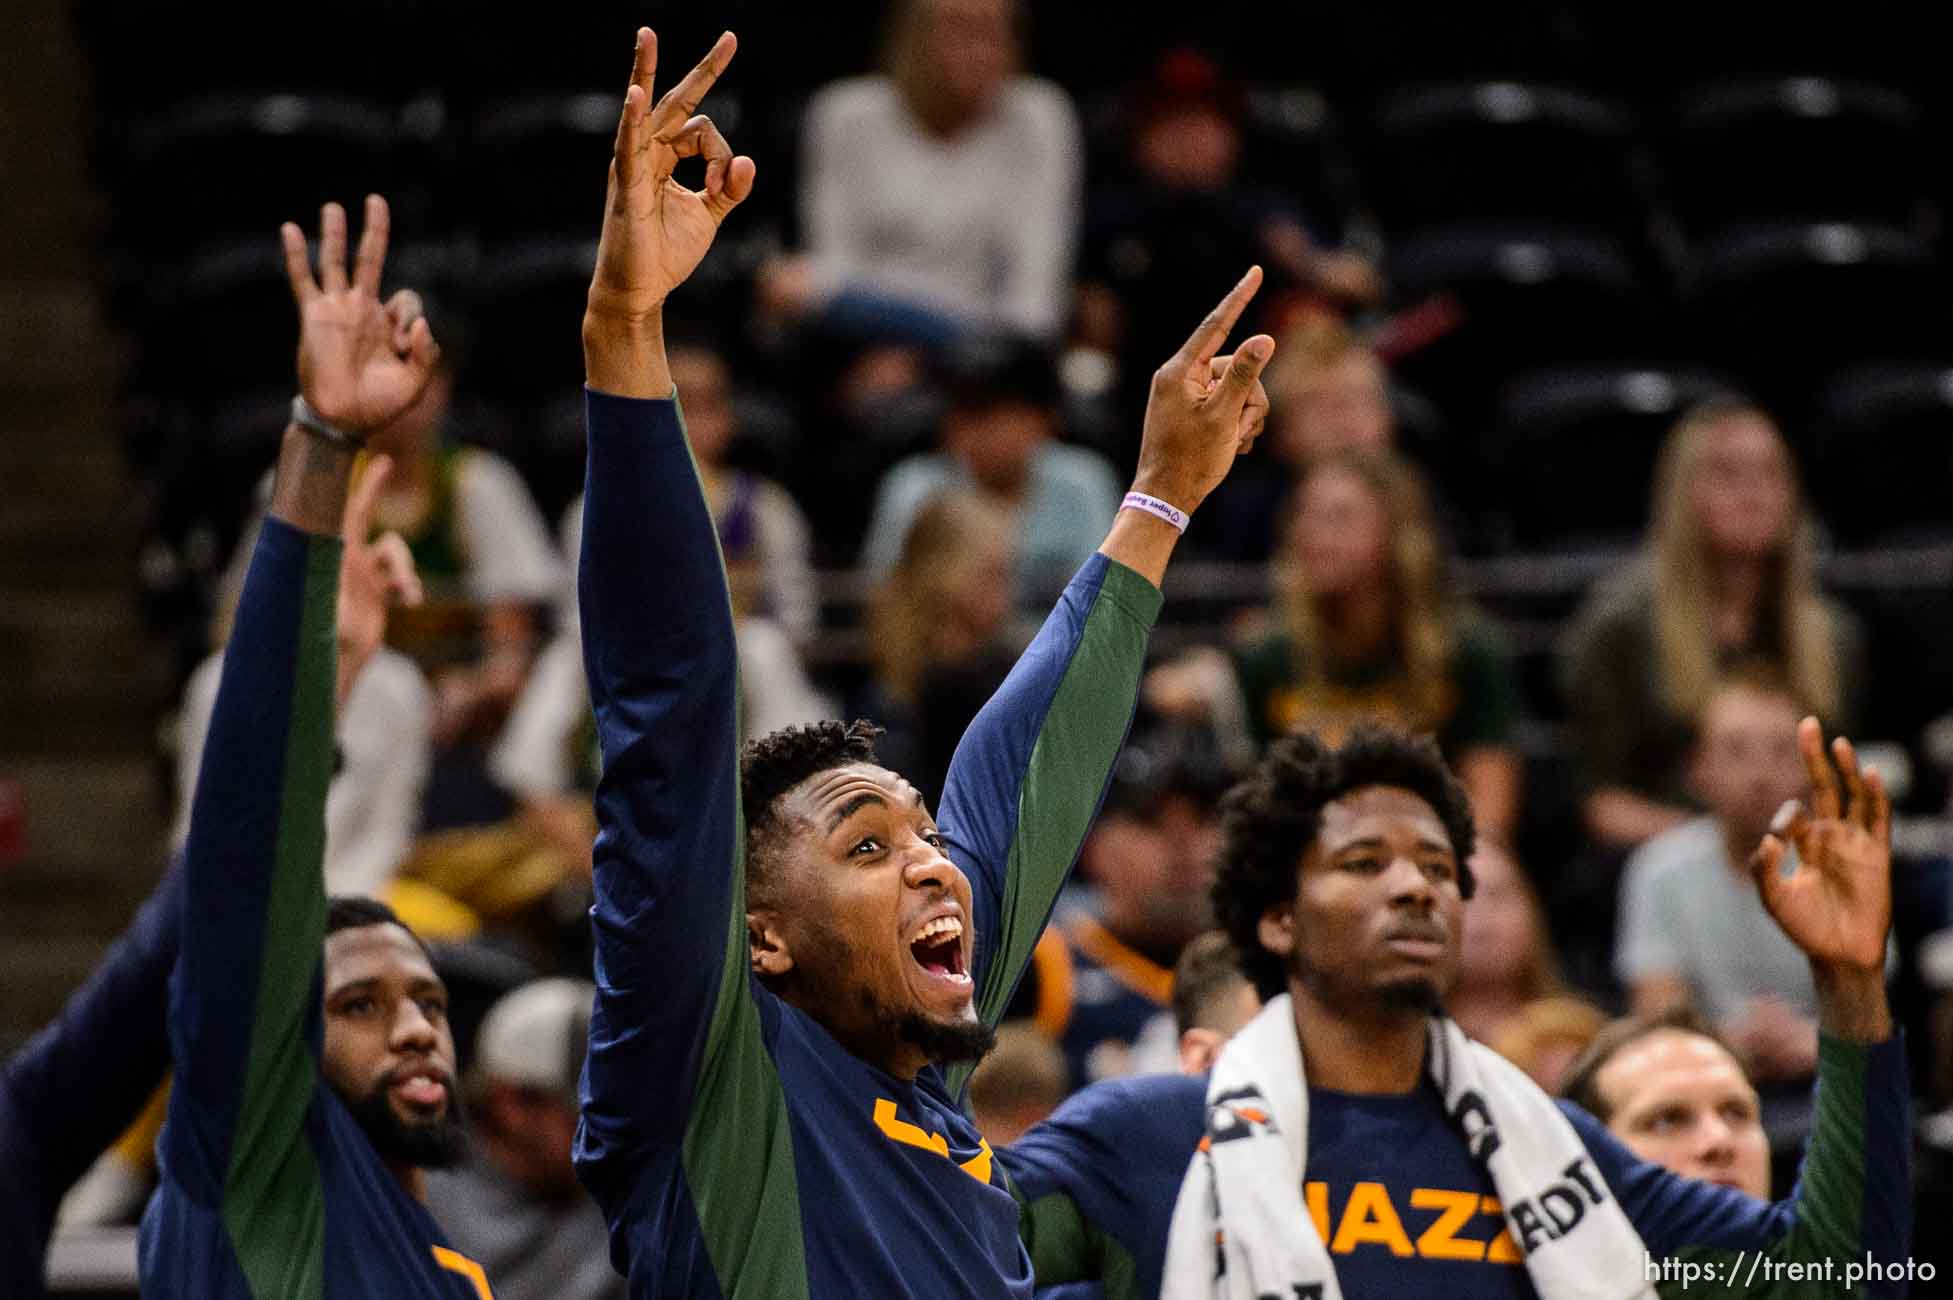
<point>1277,930</point>
<point>767,942</point>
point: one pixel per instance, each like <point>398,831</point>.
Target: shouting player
<point>314,1065</point>
<point>796,962</point>
<point>1351,1141</point>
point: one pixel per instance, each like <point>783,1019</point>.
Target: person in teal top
<point>796,962</point>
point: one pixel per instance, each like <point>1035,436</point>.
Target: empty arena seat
<point>1504,151</point>
<point>1786,302</point>
<point>222,323</point>
<point>1881,444</point>
<point>1575,449</point>
<point>526,307</point>
<point>1292,144</point>
<point>237,166</point>
<point>1799,149</point>
<point>1520,300</point>
<point>534,167</point>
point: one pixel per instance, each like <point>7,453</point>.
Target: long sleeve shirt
<point>81,1081</point>
<point>1403,1209</point>
<point>270,1189</point>
<point>738,1149</point>
<point>980,227</point>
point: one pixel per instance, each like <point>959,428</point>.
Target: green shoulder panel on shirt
<point>1831,1205</point>
<point>738,1151</point>
<point>1070,762</point>
<point>274,1206</point>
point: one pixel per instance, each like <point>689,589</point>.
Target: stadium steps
<point>77,689</point>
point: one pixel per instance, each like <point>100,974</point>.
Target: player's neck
<point>412,1179</point>
<point>1374,1049</point>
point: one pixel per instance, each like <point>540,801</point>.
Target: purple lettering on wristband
<point>1157,508</point>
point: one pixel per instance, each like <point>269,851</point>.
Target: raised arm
<point>657,645</point>
<point>1028,776</point>
<point>1853,1199</point>
<point>244,999</point>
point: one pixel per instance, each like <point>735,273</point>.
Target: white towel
<point>1241,1232</point>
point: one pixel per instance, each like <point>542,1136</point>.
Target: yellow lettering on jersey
<point>1317,1195</point>
<point>458,1263</point>
<point>900,1130</point>
<point>1371,1218</point>
<point>1502,1249</point>
<point>978,1165</point>
<point>1441,1240</point>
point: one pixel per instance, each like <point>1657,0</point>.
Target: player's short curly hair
<point>1269,819</point>
<point>775,763</point>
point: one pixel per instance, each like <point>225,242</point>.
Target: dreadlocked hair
<point>1271,817</point>
<point>775,763</point>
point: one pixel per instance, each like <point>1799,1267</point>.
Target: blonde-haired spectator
<point>1365,627</point>
<point>1728,572</point>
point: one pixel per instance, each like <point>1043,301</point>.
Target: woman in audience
<point>1365,627</point>
<point>938,634</point>
<point>1328,391</point>
<point>1506,959</point>
<point>1728,572</point>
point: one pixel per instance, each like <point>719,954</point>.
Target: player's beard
<point>947,1042</point>
<point>425,1144</point>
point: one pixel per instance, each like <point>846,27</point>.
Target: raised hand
<point>355,368</point>
<point>1204,409</point>
<point>373,577</point>
<point>1837,904</point>
<point>656,230</point>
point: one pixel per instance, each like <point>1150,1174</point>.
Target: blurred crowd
<point>1598,448</point>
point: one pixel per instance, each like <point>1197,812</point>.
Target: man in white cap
<point>515,1206</point>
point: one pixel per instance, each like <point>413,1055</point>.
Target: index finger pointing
<point>1207,338</point>
<point>682,100</point>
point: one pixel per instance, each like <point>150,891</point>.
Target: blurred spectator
<point>762,533</point>
<point>1103,972</point>
<point>1693,927</point>
<point>1018,1084</point>
<point>1328,391</point>
<point>1505,959</point>
<point>1728,573</point>
<point>515,1206</point>
<point>490,573</point>
<point>1676,1094</point>
<point>938,634</point>
<point>1366,628</point>
<point>1000,442</point>
<point>1184,225</point>
<point>940,196</point>
<point>1212,999</point>
<point>1546,1038</point>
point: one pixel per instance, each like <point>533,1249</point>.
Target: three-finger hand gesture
<point>1204,409</point>
<point>356,368</point>
<point>656,230</point>
<point>1837,904</point>
<point>373,576</point>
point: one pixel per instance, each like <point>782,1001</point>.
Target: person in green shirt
<point>1364,628</point>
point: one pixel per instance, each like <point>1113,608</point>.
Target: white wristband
<point>313,423</point>
<point>1156,508</point>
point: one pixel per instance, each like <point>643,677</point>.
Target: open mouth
<point>938,948</point>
